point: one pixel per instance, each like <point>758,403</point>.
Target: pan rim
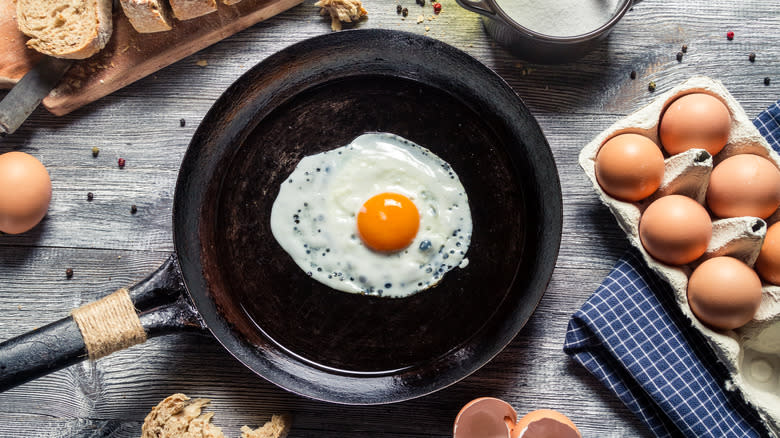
<point>190,255</point>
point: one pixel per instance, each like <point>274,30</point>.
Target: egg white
<point>314,216</point>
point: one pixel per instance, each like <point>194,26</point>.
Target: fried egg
<point>380,216</point>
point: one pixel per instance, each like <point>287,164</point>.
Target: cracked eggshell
<point>751,353</point>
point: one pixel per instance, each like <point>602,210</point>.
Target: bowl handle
<point>479,6</point>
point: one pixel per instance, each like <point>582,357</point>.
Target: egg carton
<point>751,353</point>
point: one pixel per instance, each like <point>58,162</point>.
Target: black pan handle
<point>161,305</point>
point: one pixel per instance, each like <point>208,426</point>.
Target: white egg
<point>314,216</point>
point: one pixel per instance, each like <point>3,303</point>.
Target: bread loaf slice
<point>147,16</point>
<point>74,29</point>
<point>189,9</point>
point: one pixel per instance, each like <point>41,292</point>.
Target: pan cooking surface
<point>346,331</point>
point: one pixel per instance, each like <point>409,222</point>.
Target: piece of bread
<point>74,29</point>
<point>147,16</point>
<point>178,416</point>
<point>189,9</point>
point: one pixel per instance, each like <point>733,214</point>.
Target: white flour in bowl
<point>561,18</point>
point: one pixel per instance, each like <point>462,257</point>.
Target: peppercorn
<point>651,86</point>
<point>133,209</point>
<point>182,122</point>
<point>730,35</point>
<point>69,273</point>
<point>436,7</point>
<point>752,57</point>
<point>121,163</point>
<point>398,9</point>
<point>405,12</point>
<point>95,151</point>
<point>766,80</point>
<point>633,74</point>
<point>422,2</point>
<point>679,56</point>
<point>684,48</point>
<point>90,196</point>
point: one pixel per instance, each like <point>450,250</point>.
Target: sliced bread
<point>74,29</point>
<point>147,16</point>
<point>188,9</point>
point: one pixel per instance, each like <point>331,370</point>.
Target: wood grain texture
<point>108,247</point>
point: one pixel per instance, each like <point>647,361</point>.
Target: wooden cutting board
<point>129,55</point>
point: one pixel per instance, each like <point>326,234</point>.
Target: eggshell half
<point>485,417</point>
<point>546,423</point>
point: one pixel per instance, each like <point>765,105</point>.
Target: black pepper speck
<point>752,57</point>
<point>679,56</point>
<point>766,80</point>
<point>69,273</point>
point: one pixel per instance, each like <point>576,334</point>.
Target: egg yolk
<point>388,222</point>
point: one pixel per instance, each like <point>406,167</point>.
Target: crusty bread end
<point>73,29</point>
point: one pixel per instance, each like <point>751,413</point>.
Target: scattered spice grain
<point>405,12</point>
<point>398,9</point>
<point>730,35</point>
<point>90,196</point>
<point>752,57</point>
<point>679,56</point>
<point>651,86</point>
<point>766,80</point>
<point>684,48</point>
<point>133,209</point>
<point>633,74</point>
<point>95,151</point>
<point>182,123</point>
<point>436,7</point>
<point>69,273</point>
<point>121,163</point>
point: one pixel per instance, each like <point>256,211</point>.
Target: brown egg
<point>768,263</point>
<point>695,120</point>
<point>25,192</point>
<point>545,423</point>
<point>724,293</point>
<point>629,167</point>
<point>484,417</point>
<point>744,185</point>
<point>675,229</point>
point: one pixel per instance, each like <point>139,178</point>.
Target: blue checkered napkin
<point>631,335</point>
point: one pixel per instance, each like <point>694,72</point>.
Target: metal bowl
<point>534,46</point>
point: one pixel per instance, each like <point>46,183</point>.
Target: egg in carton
<point>751,353</point>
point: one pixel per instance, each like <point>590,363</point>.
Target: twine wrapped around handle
<point>109,324</point>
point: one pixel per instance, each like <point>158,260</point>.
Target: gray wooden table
<point>108,247</point>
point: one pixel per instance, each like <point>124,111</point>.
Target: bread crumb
<point>420,19</point>
<point>202,62</point>
<point>178,416</point>
<point>346,11</point>
<point>427,28</point>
